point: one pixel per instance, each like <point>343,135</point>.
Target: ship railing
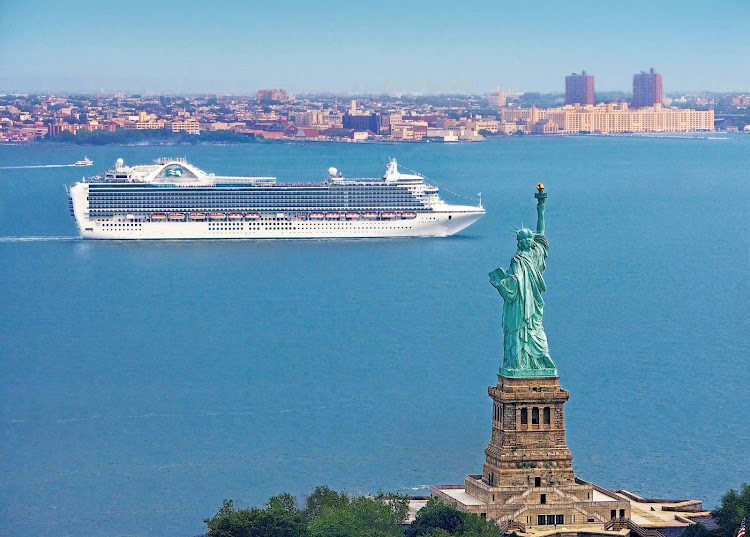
<point>244,180</point>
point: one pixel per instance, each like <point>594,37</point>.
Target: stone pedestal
<point>527,480</point>
<point>527,447</point>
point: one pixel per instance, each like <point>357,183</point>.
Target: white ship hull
<point>175,200</point>
<point>436,224</point>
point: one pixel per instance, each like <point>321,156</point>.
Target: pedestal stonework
<point>528,480</point>
<point>528,434</point>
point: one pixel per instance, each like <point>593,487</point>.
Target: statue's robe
<point>524,341</point>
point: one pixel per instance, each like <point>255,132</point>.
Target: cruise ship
<point>173,199</point>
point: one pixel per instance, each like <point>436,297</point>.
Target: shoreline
<point>704,135</point>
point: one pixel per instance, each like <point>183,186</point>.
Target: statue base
<point>527,480</point>
<point>528,373</point>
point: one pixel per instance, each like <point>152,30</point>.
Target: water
<point>141,383</point>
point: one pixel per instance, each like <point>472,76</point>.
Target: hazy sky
<point>369,46</point>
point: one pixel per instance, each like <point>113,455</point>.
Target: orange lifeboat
<point>176,216</point>
<point>387,215</point>
<point>333,216</point>
<point>316,216</point>
<point>217,216</point>
<point>158,216</point>
<point>252,216</point>
<point>370,215</point>
<point>408,215</point>
<point>197,216</point>
<point>235,216</point>
<point>352,216</point>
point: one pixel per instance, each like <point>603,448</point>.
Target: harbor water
<point>143,382</point>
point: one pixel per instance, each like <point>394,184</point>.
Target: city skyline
<point>417,48</point>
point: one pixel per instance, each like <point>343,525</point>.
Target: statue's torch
<point>541,197</point>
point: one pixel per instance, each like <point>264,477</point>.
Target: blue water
<point>141,383</point>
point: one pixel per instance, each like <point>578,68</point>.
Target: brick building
<point>579,89</point>
<point>648,89</point>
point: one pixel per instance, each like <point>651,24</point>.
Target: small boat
<point>333,216</point>
<point>176,216</point>
<point>387,215</point>
<point>302,215</point>
<point>252,216</point>
<point>352,216</point>
<point>371,216</point>
<point>316,216</point>
<point>85,162</point>
<point>217,216</point>
<point>197,216</point>
<point>408,215</point>
<point>158,216</point>
<point>235,216</point>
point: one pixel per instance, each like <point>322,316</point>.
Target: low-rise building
<point>191,126</point>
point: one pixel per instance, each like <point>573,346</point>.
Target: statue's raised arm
<point>525,349</point>
<point>541,197</point>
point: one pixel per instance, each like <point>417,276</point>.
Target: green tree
<point>280,518</point>
<point>696,530</point>
<point>436,514</point>
<point>438,519</point>
<point>359,517</point>
<point>283,502</point>
<point>324,498</point>
<point>728,516</point>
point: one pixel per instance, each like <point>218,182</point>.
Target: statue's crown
<point>524,233</point>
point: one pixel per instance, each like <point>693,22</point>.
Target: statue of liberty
<point>525,349</point>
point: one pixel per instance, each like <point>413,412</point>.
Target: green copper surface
<point>525,349</point>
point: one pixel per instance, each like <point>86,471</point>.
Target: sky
<point>375,46</point>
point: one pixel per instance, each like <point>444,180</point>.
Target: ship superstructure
<point>173,199</point>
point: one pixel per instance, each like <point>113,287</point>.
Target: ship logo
<point>174,172</point>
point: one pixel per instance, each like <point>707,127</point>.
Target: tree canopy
<point>438,519</point>
<point>728,516</point>
<point>327,513</point>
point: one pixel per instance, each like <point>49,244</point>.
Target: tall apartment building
<point>648,89</point>
<point>579,89</point>
<point>498,98</point>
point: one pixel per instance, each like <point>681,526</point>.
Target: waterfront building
<point>144,124</point>
<point>518,114</point>
<point>191,126</point>
<point>361,122</point>
<point>476,125</point>
<point>648,89</point>
<point>619,117</point>
<point>579,89</point>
